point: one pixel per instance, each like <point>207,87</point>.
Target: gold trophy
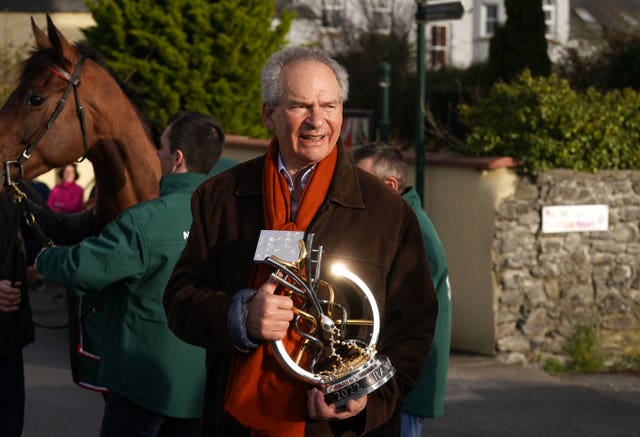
<point>335,351</point>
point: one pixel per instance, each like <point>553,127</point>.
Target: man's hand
<point>35,262</point>
<point>268,314</point>
<point>33,276</point>
<point>9,296</point>
<point>318,409</point>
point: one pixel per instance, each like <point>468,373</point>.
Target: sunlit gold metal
<point>345,368</point>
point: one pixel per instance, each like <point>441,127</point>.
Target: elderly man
<point>427,398</point>
<point>216,298</point>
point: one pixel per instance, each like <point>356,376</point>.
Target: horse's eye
<point>35,100</point>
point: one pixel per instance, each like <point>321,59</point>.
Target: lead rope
<point>22,207</point>
<point>18,197</point>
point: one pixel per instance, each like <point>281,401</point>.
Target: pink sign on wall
<point>575,218</point>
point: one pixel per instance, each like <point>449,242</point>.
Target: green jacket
<point>427,398</point>
<point>131,260</point>
<point>223,164</point>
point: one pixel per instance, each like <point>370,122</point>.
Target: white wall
<point>15,27</point>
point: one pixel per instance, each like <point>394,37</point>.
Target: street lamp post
<point>384,68</point>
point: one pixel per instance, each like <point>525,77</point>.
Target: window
<point>490,19</point>
<point>549,10</point>
<point>332,14</point>
<point>438,47</point>
<point>381,15</point>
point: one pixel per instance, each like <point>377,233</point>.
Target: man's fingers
<point>281,302</point>
<point>269,286</point>
<point>8,309</point>
<point>274,302</point>
<point>269,314</point>
<point>9,298</point>
<point>312,401</point>
<point>318,409</point>
<point>5,286</point>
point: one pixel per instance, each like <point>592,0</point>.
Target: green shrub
<point>554,366</point>
<point>545,124</point>
<point>197,55</point>
<point>582,349</point>
<point>10,58</point>
<point>627,363</point>
<point>583,353</point>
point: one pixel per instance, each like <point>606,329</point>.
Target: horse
<point>39,129</point>
<point>66,107</point>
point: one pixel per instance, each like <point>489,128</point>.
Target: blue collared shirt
<point>303,182</point>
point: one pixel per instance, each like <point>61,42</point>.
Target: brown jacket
<point>363,224</point>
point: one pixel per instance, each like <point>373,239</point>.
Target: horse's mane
<point>42,59</point>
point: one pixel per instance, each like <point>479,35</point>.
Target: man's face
<point>164,153</point>
<point>308,120</point>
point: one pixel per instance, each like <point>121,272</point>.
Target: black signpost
<point>425,13</point>
<point>444,11</point>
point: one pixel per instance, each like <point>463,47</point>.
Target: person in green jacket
<point>223,164</point>
<point>155,379</point>
<point>427,398</point>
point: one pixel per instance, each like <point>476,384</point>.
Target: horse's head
<point>30,133</point>
<point>67,106</point>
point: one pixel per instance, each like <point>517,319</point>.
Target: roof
<point>43,6</point>
<point>591,18</point>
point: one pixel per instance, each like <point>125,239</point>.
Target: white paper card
<point>283,244</point>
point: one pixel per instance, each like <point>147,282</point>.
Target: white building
<point>454,43</point>
<point>464,41</point>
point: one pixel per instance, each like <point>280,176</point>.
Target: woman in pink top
<point>67,196</point>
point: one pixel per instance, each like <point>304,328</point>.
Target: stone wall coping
<point>432,159</point>
<point>245,142</point>
<point>481,163</point>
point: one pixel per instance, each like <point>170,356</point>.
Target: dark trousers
<point>11,395</point>
<point>123,418</point>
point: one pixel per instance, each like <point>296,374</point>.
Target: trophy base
<point>363,380</point>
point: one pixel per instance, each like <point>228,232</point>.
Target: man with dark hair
<point>218,299</point>
<point>427,398</point>
<point>156,380</point>
<point>187,131</point>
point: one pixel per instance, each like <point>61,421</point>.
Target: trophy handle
<point>288,362</point>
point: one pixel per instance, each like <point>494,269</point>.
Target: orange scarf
<point>260,393</point>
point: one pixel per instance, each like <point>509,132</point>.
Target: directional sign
<point>444,11</point>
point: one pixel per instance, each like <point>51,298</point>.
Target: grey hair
<point>272,87</point>
<point>387,161</point>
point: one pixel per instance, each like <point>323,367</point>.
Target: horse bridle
<point>19,197</point>
<point>73,81</point>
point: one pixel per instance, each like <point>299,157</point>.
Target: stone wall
<point>551,283</point>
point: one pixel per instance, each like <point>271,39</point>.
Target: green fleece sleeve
<point>115,254</point>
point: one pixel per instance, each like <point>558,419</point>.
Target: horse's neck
<point>126,167</point>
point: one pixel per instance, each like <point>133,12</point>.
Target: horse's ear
<point>42,40</point>
<point>65,53</point>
